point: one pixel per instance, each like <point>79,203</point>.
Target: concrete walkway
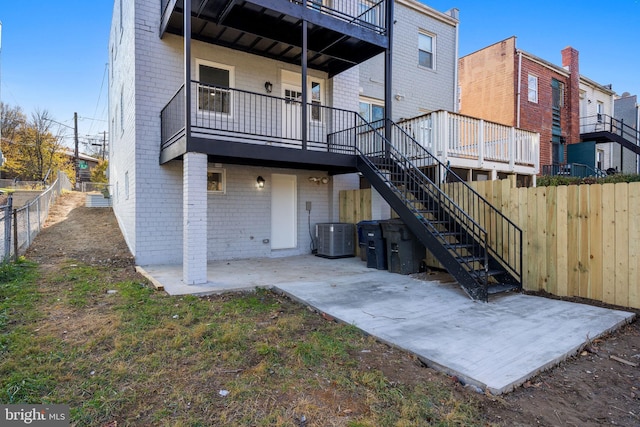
<point>495,346</point>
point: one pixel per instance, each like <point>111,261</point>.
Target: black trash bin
<point>405,253</point>
<point>372,244</point>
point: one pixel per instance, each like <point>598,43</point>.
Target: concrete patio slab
<point>495,346</point>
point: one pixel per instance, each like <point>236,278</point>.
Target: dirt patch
<point>599,386</point>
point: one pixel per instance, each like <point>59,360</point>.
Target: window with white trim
<point>600,111</point>
<point>316,100</point>
<point>532,87</point>
<point>426,54</point>
<point>214,83</point>
<point>216,180</point>
<point>372,110</point>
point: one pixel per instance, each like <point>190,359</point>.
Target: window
<point>425,50</point>
<point>533,88</point>
<point>122,110</point>
<point>370,12</point>
<point>557,93</point>
<point>600,159</point>
<point>371,110</point>
<point>316,101</point>
<point>600,111</point>
<point>213,90</point>
<point>216,182</point>
<point>121,27</point>
<point>126,185</point>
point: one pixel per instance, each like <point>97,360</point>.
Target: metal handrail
<point>611,125</point>
<point>499,228</point>
<point>573,170</point>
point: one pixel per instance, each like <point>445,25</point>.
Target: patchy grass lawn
<point>113,349</point>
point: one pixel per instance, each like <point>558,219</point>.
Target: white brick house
<point>188,194</point>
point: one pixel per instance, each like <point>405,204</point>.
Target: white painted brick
<point>149,70</point>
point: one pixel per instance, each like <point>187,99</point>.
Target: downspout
<point>519,89</point>
<point>456,85</point>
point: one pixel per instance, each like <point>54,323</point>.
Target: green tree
<point>33,149</point>
<point>99,172</point>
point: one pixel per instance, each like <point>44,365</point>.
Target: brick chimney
<point>572,96</point>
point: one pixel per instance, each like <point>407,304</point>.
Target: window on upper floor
<point>122,110</point>
<point>532,87</point>
<point>214,80</point>
<point>600,111</point>
<point>372,110</point>
<point>316,100</point>
<point>557,93</point>
<point>370,12</point>
<point>426,54</point>
<point>121,26</point>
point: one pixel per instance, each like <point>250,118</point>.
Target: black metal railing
<point>172,119</point>
<point>242,116</point>
<point>503,239</point>
<point>606,123</point>
<point>572,170</point>
<point>367,14</point>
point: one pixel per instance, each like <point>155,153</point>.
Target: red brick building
<point>504,84</point>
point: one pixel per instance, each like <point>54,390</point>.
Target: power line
<point>106,65</point>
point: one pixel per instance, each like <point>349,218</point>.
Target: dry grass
<point>140,357</point>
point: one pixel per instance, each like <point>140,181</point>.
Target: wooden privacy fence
<point>578,240</point>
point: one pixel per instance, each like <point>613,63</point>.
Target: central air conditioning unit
<point>335,240</point>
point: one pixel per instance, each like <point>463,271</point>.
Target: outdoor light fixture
<point>319,180</point>
<point>268,86</point>
<point>260,182</point>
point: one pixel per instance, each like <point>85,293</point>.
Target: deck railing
<point>606,123</point>
<point>448,135</point>
<point>241,116</point>
<point>366,14</point>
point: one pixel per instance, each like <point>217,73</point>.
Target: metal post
<point>75,151</point>
<point>305,113</point>
<point>15,234</point>
<point>187,72</point>
<point>388,75</point>
<point>7,229</point>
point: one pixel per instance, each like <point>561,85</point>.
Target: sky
<point>54,54</point>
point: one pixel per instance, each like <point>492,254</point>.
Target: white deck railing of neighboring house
<point>468,142</point>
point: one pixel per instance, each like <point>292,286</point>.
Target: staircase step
<point>470,258</point>
<point>491,273</point>
<point>502,287</point>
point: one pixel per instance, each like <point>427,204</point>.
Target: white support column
<point>512,149</point>
<point>481,146</point>
<point>194,219</point>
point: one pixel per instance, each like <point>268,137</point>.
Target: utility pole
<point>76,154</point>
<point>104,143</point>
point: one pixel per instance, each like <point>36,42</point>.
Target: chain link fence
<point>18,227</point>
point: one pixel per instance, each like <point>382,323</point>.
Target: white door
<point>292,112</point>
<point>283,212</point>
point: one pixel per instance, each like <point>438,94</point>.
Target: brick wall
<point>148,71</point>
<point>488,80</point>
<point>537,116</point>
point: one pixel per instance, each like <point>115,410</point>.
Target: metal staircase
<point>479,247</point>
